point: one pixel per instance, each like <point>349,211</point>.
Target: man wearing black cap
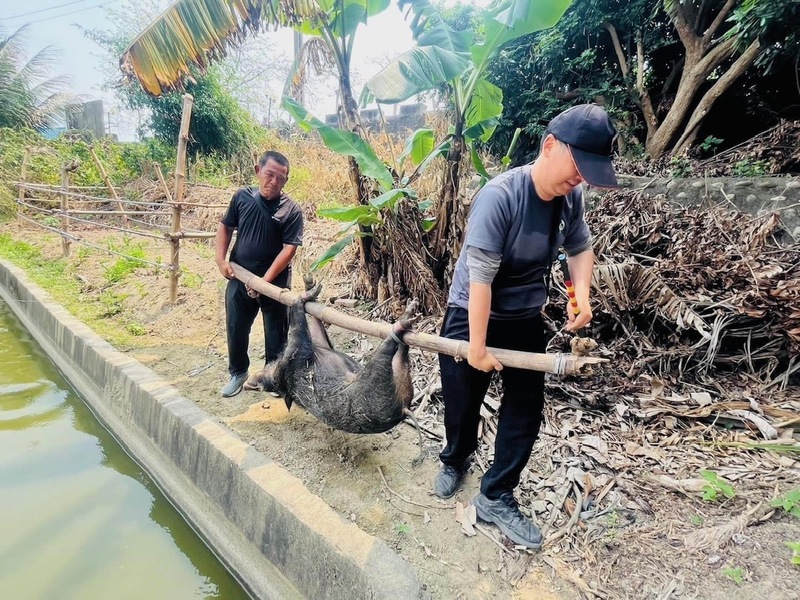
<point>516,224</point>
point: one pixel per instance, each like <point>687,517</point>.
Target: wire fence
<point>76,204</point>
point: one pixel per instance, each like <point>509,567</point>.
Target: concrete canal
<point>79,518</point>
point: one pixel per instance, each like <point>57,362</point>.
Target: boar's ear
<point>288,401</point>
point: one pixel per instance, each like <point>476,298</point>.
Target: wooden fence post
<point>23,176</point>
<point>180,183</point>
<point>65,242</point>
<point>164,185</point>
<point>107,181</point>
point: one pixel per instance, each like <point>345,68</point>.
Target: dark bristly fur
<point>332,386</point>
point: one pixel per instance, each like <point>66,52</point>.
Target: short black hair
<point>273,155</point>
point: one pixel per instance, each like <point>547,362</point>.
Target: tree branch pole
<point>65,241</point>
<point>180,185</point>
<point>566,364</point>
<point>23,178</point>
<point>163,183</point>
<point>109,185</point>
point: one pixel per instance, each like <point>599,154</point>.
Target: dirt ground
<point>634,551</point>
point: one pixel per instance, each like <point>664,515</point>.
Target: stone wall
<point>754,195</point>
<point>409,118</point>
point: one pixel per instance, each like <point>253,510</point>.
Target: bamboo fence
<point>68,204</point>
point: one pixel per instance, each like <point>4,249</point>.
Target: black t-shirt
<point>263,227</point>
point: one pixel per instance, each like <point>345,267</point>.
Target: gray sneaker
<point>505,513</point>
<point>448,481</point>
<point>234,386</point>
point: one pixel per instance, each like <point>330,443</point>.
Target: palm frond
<point>632,285</point>
<point>314,55</point>
<point>196,32</point>
<point>28,96</point>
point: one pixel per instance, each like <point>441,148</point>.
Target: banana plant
<point>394,184</point>
<point>192,33</point>
<point>442,55</point>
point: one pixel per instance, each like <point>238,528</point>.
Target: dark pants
<point>240,312</point>
<point>464,389</point>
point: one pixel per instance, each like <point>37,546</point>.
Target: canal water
<point>79,519</point>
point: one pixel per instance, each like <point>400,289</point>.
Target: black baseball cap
<point>589,132</point>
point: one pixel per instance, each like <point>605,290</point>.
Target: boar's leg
<point>272,377</point>
<point>299,347</point>
<point>391,360</point>
<point>319,335</point>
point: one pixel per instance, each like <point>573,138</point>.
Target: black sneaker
<point>448,481</point>
<point>505,513</point>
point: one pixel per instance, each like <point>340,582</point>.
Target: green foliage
<point>123,267</point>
<point>53,275</point>
<point>111,304</point>
<point>193,281</point>
<point>446,54</point>
<point>332,252</point>
<point>17,251</point>
<point>58,278</point>
<point>710,144</point>
<point>795,548</point>
<point>343,142</point>
<point>402,528</point>
<point>717,486</point>
<point>748,167</point>
<point>736,574</point>
<point>790,502</point>
<point>136,329</point>
<point>680,166</point>
<point>219,125</point>
<point>575,56</point>
<point>123,161</point>
<point>8,206</point>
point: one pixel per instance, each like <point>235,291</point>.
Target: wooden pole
<point>180,183</point>
<point>188,235</point>
<point>566,364</point>
<point>108,183</point>
<point>65,242</point>
<point>23,178</point>
<point>164,185</point>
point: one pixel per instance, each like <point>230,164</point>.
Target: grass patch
<point>58,278</point>
<point>53,275</point>
<point>124,266</point>
<point>192,281</point>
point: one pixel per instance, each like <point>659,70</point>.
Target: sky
<point>58,23</point>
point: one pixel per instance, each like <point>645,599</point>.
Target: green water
<point>78,518</point>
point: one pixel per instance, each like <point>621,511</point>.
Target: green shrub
<point>8,203</point>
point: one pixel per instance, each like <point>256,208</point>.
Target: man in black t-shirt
<point>269,227</point>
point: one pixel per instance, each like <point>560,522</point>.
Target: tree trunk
<point>722,85</point>
<point>698,67</point>
<point>448,207</point>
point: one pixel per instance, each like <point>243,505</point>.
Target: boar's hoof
<point>311,294</point>
<point>409,315</point>
<point>308,280</point>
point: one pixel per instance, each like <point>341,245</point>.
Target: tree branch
<point>718,20</point>
<point>720,87</point>
<point>715,56</point>
<point>650,117</point>
<point>686,32</point>
<point>623,63</point>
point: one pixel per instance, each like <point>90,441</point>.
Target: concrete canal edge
<point>279,539</point>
